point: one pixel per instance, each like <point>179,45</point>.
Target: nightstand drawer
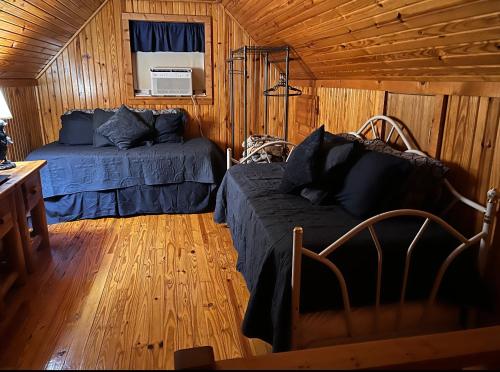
<point>32,192</point>
<point>6,219</point>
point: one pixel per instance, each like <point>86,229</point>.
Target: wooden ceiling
<point>434,40</point>
<point>33,31</point>
<point>454,40</point>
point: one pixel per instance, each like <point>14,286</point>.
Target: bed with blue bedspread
<point>82,182</point>
<point>261,220</point>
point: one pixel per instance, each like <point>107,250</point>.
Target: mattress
<point>261,220</point>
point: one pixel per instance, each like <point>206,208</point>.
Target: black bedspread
<point>76,169</point>
<point>261,221</point>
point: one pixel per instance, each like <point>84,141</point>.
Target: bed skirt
<point>185,197</point>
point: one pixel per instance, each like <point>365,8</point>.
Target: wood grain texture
<point>24,127</point>
<point>343,110</point>
<point>422,40</point>
<point>417,114</point>
<point>33,31</point>
<point>89,73</point>
<point>471,149</point>
<point>487,89</point>
<point>469,349</point>
<point>126,293</point>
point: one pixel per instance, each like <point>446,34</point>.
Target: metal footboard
<point>483,238</point>
<point>299,250</point>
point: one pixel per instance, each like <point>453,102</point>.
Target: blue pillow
<point>302,168</point>
<point>336,152</point>
<point>124,129</point>
<point>170,127</point>
<point>371,182</point>
<point>77,129</point>
<point>101,117</point>
<point>336,155</point>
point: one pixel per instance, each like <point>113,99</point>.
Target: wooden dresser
<point>20,197</point>
<point>12,263</point>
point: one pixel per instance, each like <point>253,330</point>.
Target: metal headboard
<point>397,128</point>
<point>483,238</point>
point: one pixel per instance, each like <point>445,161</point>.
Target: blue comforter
<point>77,169</point>
<point>261,220</point>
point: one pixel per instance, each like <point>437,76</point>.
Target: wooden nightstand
<point>24,190</point>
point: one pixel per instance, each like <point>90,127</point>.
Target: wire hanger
<point>274,91</point>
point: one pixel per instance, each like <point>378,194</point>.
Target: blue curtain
<point>167,37</point>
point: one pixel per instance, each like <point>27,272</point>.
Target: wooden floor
<point>127,293</point>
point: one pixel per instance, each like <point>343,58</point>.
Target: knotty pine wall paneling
<point>344,109</point>
<point>24,126</point>
<point>471,148</point>
<point>418,114</point>
<point>470,145</point>
<point>88,74</point>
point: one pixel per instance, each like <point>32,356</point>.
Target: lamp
<point>5,140</point>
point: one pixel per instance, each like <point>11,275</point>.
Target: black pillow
<point>336,154</point>
<point>314,194</point>
<point>124,129</point>
<point>170,127</point>
<point>77,129</point>
<point>101,117</point>
<point>302,167</point>
<point>373,180</point>
<point>423,188</point>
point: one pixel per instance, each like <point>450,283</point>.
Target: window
<point>164,41</point>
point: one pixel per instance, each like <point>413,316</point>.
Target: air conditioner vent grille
<point>171,81</point>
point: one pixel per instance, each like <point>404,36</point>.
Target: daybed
<point>378,279</point>
<point>85,181</point>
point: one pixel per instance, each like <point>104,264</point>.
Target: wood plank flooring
<point>126,293</point>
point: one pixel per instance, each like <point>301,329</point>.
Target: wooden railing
<point>479,348</point>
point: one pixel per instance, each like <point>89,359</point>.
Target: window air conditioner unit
<point>171,81</point>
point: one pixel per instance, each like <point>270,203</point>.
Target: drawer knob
<point>33,191</point>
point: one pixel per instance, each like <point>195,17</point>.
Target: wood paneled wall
<point>89,71</point>
<point>24,126</point>
<point>343,110</point>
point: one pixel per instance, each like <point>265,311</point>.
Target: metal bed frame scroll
<point>483,238</point>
